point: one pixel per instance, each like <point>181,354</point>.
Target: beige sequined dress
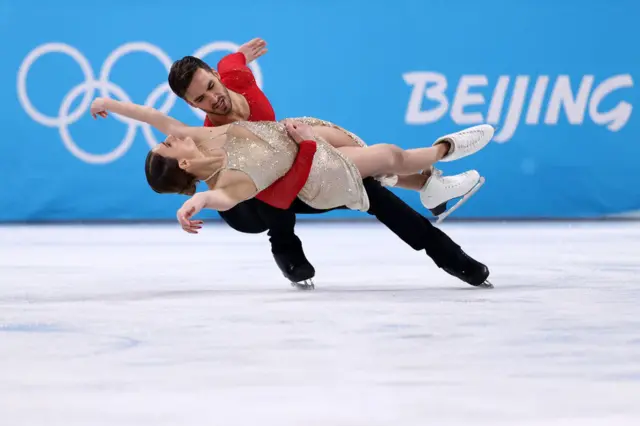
<point>265,152</point>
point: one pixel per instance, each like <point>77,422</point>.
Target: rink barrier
<point>563,101</point>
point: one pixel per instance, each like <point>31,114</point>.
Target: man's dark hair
<point>182,72</point>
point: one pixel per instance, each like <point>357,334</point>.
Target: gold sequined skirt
<point>334,180</point>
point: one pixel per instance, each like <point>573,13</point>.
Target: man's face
<point>207,93</point>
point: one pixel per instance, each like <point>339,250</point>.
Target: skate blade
<point>486,284</point>
<point>462,200</point>
<point>304,285</point>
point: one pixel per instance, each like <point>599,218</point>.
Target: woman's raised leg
<point>387,159</point>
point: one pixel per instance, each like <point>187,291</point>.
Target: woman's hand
<point>98,107</point>
<point>190,208</point>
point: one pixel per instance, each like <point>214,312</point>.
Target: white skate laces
<point>466,142</point>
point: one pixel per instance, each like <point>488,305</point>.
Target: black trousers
<point>254,216</point>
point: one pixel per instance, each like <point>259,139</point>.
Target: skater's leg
<point>383,158</point>
<point>420,234</point>
<point>415,230</point>
<point>253,217</point>
<point>339,139</point>
<point>286,247</point>
<point>435,189</point>
<point>387,159</point>
<point>244,218</point>
<point>414,182</point>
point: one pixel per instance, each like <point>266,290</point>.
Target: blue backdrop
<point>557,78</point>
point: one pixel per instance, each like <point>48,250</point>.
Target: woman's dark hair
<point>165,176</point>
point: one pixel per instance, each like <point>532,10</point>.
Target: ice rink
<point>147,325</point>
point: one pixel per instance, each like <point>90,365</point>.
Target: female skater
<point>239,160</point>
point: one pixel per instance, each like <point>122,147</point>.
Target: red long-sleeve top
<point>237,77</point>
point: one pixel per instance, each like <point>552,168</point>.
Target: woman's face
<point>180,149</point>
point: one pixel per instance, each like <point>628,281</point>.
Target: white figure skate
<point>466,142</point>
<point>439,190</point>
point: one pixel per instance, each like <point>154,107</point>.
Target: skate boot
<point>438,190</point>
<point>296,268</point>
<point>466,142</point>
<point>469,270</point>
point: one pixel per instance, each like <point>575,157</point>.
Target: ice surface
<point>147,325</point>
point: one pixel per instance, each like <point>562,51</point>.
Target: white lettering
<point>618,116</point>
<point>515,110</point>
<point>562,95</point>
<point>464,98</point>
<point>535,107</point>
<point>432,86</point>
<point>497,100</point>
<point>419,80</point>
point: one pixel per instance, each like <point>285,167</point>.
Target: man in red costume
<point>232,94</point>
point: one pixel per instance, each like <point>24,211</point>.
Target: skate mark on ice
<point>31,328</point>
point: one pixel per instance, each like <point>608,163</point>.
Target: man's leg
<point>286,247</point>
<point>415,230</point>
<point>253,216</point>
<point>244,218</point>
<point>420,234</point>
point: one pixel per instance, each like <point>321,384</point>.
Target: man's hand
<point>299,131</point>
<point>253,49</point>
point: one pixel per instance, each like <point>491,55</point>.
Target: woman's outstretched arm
<point>145,114</point>
<point>157,119</point>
